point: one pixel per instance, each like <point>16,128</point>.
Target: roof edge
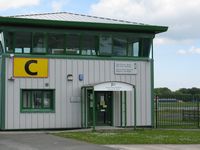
<point>82,25</point>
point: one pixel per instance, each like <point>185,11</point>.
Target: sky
<point>176,52</point>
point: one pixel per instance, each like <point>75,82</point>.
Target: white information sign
<point>125,68</point>
<point>113,86</point>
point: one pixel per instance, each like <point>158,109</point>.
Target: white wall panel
<point>68,114</point>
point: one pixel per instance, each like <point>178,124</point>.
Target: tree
<point>191,91</point>
<point>162,91</point>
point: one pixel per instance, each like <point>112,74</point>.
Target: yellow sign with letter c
<point>30,67</point>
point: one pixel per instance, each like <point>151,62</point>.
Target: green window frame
<point>104,44</point>
<point>39,43</point>
<point>37,100</point>
<point>1,48</point>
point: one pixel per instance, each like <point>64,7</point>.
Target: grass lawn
<point>139,136</point>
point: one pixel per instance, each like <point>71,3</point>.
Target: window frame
<point>1,48</point>
<point>79,43</point>
<point>99,51</point>
<point>45,43</point>
<point>126,48</point>
<point>37,110</point>
<point>80,33</point>
<point>96,44</point>
<point>14,42</point>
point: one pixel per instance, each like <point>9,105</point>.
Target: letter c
<point>27,67</point>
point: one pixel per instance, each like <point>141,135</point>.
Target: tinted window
<point>39,100</point>
<point>145,46</point>
<point>22,42</point>
<point>73,44</point>
<point>119,46</point>
<point>9,41</point>
<point>88,45</point>
<point>39,43</point>
<point>105,45</point>
<point>1,47</point>
<point>56,43</point>
<point>133,47</point>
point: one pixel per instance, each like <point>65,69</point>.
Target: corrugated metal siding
<point>67,113</point>
<point>116,109</point>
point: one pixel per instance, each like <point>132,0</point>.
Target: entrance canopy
<point>113,86</point>
<point>89,102</point>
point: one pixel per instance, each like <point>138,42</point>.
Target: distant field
<point>141,136</point>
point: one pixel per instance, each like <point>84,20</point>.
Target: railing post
<point>198,111</point>
<point>156,111</point>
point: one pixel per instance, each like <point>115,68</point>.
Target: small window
<point>105,45</point>
<point>73,44</point>
<point>39,43</point>
<point>145,46</point>
<point>37,100</point>
<point>119,46</point>
<point>88,45</point>
<point>56,43</point>
<point>1,47</point>
<point>133,47</point>
<point>22,42</point>
<point>9,41</point>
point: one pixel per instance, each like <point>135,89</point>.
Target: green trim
<point>121,108</point>
<point>152,87</point>
<point>80,41</point>
<point>0,93</point>
<point>75,31</point>
<point>152,93</point>
<point>112,105</point>
<point>37,111</point>
<point>40,110</point>
<point>82,107</point>
<point>94,111</point>
<point>135,111</point>
<point>125,109</point>
<point>82,25</point>
<point>86,108</point>
<point>3,89</point>
<point>80,57</point>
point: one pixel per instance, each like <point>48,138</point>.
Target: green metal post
<point>3,87</point>
<point>198,112</point>
<point>82,123</point>
<point>156,111</point>
<point>135,112</point>
<point>121,108</point>
<point>152,88</point>
<point>94,111</point>
<point>125,119</point>
<point>85,107</point>
<point>152,92</point>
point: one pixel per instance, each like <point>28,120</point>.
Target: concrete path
<point>42,141</point>
<point>157,147</point>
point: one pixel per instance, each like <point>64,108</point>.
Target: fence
<point>177,111</point>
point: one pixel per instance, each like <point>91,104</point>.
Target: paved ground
<point>157,147</point>
<point>42,141</point>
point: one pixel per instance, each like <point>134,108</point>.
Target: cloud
<point>168,41</point>
<point>192,50</point>
<point>56,5</point>
<point>181,17</point>
<point>13,4</point>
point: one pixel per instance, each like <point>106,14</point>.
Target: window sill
<point>37,111</point>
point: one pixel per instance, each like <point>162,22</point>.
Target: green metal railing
<point>177,111</point>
